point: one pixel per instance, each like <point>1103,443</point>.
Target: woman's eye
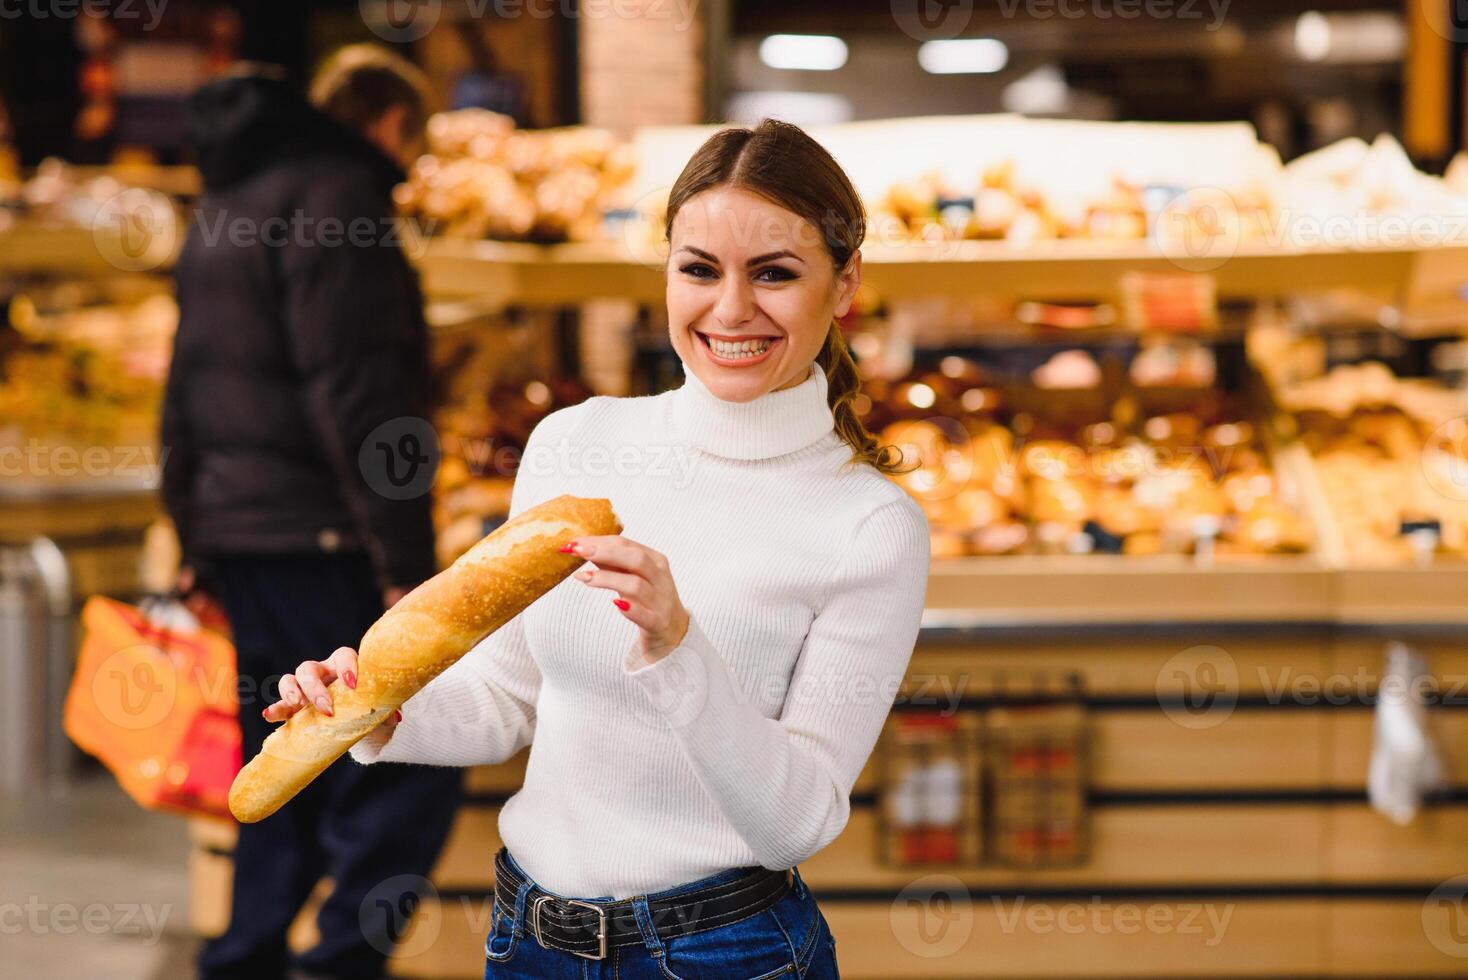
<point>697,270</point>
<point>778,274</point>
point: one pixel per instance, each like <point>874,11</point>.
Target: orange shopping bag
<point>159,706</point>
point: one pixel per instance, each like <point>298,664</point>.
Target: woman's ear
<point>848,281</point>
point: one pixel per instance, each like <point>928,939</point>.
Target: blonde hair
<point>782,163</point>
<point>359,82</point>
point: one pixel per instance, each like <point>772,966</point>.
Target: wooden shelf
<point>80,252</point>
<point>1062,270</point>
<point>977,593</point>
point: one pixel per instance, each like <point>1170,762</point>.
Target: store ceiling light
<point>1312,36</point>
<point>803,52</point>
<point>963,56</point>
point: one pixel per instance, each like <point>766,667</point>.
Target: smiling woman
<point>693,695</point>
<point>764,232</point>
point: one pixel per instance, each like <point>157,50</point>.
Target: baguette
<point>417,639</point>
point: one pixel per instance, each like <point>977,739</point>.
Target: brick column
<point>643,62</point>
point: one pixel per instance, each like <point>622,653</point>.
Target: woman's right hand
<point>309,684</point>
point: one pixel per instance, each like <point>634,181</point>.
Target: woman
<point>697,737</point>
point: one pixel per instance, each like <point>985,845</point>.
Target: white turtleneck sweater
<point>804,578</point>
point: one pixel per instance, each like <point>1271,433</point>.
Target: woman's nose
<point>736,304</point>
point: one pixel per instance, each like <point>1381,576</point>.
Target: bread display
<point>1048,465</point>
<point>85,377</point>
<point>417,639</point>
<point>484,178</point>
<point>1391,455</point>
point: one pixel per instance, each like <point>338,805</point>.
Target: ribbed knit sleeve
<point>784,784</point>
<point>481,710</point>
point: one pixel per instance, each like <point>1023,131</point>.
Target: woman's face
<point>751,292</point>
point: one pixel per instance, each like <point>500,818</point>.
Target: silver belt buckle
<point>601,926</point>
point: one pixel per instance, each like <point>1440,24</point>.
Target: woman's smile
<point>737,350</point>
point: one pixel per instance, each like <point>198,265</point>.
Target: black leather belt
<point>589,929</point>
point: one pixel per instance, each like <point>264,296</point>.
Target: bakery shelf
<point>985,593</point>
<point>27,247</point>
<point>1062,270</point>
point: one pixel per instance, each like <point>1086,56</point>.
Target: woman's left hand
<point>646,593</point>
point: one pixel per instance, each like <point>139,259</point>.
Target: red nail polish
<point>399,716</point>
<point>349,679</point>
<point>622,604</point>
<point>265,713</point>
<point>569,548</point>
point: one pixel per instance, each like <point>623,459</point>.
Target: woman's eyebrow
<point>757,260</point>
<point>771,256</point>
<point>699,252</point>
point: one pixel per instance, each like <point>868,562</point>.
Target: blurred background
<point>1167,298</point>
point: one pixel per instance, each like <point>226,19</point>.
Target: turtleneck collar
<point>775,423</point>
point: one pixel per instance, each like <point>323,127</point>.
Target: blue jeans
<point>789,939</point>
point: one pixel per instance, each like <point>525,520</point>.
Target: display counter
<point>1230,727</point>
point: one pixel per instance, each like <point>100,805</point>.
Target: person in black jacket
<point>297,469</point>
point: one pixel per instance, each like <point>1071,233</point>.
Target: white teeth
<point>743,348</point>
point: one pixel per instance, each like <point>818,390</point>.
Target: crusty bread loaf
<point>417,639</point>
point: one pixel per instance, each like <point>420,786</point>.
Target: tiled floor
<point>92,886</point>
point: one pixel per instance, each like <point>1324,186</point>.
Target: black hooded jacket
<point>300,332</point>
